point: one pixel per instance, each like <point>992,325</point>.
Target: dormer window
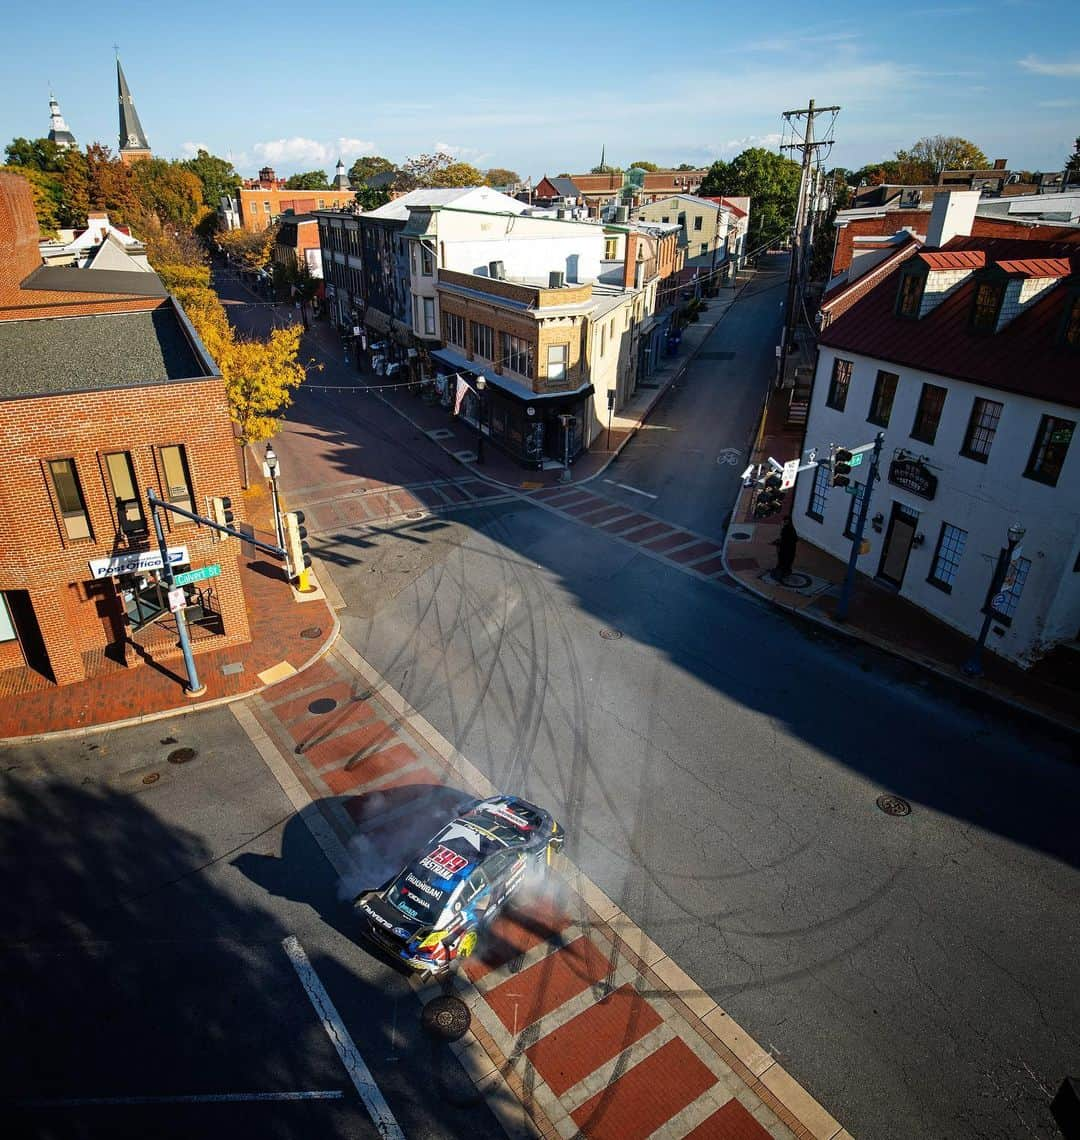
<point>910,296</point>
<point>988,298</point>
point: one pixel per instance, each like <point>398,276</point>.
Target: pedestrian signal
<point>841,467</point>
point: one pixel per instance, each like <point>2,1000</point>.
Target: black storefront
<point>525,425</point>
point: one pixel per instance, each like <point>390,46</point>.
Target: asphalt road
<point>149,987</point>
<point>717,769</point>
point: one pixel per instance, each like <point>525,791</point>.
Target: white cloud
<point>735,146</point>
<point>460,153</point>
<point>1063,69</point>
<point>191,149</point>
<point>1054,103</point>
<point>299,150</point>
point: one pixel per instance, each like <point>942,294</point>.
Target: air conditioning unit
<point>622,214</point>
<point>496,270</point>
<point>556,279</point>
<point>560,213</point>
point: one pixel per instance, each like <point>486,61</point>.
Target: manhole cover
<point>446,1017</point>
<point>610,634</point>
<point>181,755</point>
<point>312,632</point>
<point>795,581</point>
<point>322,705</point>
<point>414,514</point>
<point>893,805</point>
<point>740,536</point>
<point>151,777</point>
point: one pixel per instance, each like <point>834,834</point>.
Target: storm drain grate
<point>151,777</point>
<point>893,805</point>
<point>181,755</point>
<point>611,634</point>
<point>322,705</point>
<point>446,1017</point>
<point>312,632</point>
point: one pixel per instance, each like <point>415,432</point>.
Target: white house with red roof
<point>965,352</point>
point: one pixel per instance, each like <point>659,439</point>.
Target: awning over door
<point>377,320</point>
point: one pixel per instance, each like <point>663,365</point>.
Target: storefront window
<point>129,512</point>
<point>177,478</point>
<point>69,497</point>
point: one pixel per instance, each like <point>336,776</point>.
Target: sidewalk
<point>287,633</point>
<point>876,615</point>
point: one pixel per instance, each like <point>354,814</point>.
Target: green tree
<point>169,191</point>
<point>364,168</point>
<point>1072,163</point>
<point>878,173</point>
<point>36,154</point>
<point>605,169</point>
<point>686,166</point>
<point>371,198</point>
<point>500,176</point>
<point>651,167</point>
<point>308,180</point>
<point>929,156</point>
<point>47,190</point>
<point>217,176</point>
<point>435,170</point>
<point>771,181</point>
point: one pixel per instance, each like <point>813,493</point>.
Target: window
<point>70,499</point>
<point>981,429</point>
<point>1003,604</point>
<point>429,316</point>
<point>129,512</point>
<point>177,479</point>
<point>819,493</point>
<point>911,291</point>
<point>7,626</point>
<point>698,222</point>
<point>882,402</point>
<point>704,248</point>
<point>666,218</point>
<point>426,264</point>
<point>266,207</point>
<point>483,340</point>
<point>517,355</point>
<point>611,248</point>
<point>839,384</point>
<point>1072,324</point>
<point>928,413</point>
<point>557,359</point>
<point>603,338</point>
<point>1048,454</point>
<point>454,329</point>
<point>322,204</point>
<point>854,508</point>
<point>987,303</point>
<point>950,549</point>
<point>682,217</point>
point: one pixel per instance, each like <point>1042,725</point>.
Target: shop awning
<point>401,333</point>
<point>451,361</point>
<point>377,320</point>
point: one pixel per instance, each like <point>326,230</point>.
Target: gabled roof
<point>1027,356</point>
<point>962,259</point>
<point>564,187</point>
<point>1036,267</point>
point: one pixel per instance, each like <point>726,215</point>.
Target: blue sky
<point>540,90</point>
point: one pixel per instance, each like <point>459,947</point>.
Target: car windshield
<point>417,898</point>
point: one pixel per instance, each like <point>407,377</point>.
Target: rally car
<point>430,914</point>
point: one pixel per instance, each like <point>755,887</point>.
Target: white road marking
<point>192,1098</point>
<point>359,1073</point>
<point>627,487</point>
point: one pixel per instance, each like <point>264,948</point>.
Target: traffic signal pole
<point>860,526</point>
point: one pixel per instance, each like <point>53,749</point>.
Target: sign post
<point>857,540</point>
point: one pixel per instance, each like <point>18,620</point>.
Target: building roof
<point>946,259</point>
<point>132,136</point>
<point>484,199</point>
<point>1036,267</point>
<point>67,279</point>
<point>1027,356</point>
<point>564,187</point>
<point>60,355</point>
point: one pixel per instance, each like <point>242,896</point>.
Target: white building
<point>966,353</point>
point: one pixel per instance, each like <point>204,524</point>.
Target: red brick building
<point>105,392</point>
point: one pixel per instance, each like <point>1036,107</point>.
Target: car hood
<point>380,915</point>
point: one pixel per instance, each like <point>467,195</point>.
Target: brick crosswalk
<point>581,1025</point>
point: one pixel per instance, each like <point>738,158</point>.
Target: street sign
<point>856,459</point>
<point>198,575</point>
<point>787,479</point>
<point>850,489</point>
<point>176,600</point>
<point>136,562</point>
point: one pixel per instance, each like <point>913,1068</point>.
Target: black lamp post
<point>973,665</point>
<point>272,467</point>
<point>481,385</point>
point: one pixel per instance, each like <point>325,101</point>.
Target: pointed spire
<point>603,152</point>
<point>59,132</point>
<point>133,141</point>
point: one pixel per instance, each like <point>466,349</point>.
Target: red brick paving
<point>378,764</point>
<point>362,809</point>
<point>711,567</point>
<point>316,727</point>
<point>323,751</point>
<point>340,692</point>
<point>642,1099</point>
<point>543,987</point>
<point>604,514</point>
<point>732,1122</point>
<point>584,507</point>
<point>586,1042</point>
<point>572,497</point>
<point>319,674</point>
<point>669,540</point>
<point>640,534</point>
<point>742,563</point>
<point>628,523</point>
<point>698,550</point>
<point>514,933</point>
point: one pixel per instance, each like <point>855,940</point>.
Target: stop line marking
<point>627,487</point>
<point>183,1098</point>
<point>359,1073</point>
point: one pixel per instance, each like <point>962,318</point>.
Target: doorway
<point>31,641</point>
<point>894,557</point>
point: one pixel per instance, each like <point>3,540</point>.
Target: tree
<point>1072,164</point>
<point>649,166</point>
<point>169,191</point>
<point>686,166</point>
<point>217,176</point>
<point>37,154</point>
<point>500,176</point>
<point>435,170</point>
<point>109,184</point>
<point>47,191</point>
<point>929,156</point>
<point>364,168</point>
<point>771,181</point>
<point>251,248</point>
<point>877,173</point>
<point>605,169</point>
<point>309,180</point>
<point>370,198</point>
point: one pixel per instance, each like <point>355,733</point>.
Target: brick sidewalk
<point>876,615</point>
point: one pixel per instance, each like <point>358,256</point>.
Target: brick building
<point>261,201</point>
<point>105,391</point>
<point>599,190</point>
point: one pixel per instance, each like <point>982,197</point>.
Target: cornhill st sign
<point>914,476</point>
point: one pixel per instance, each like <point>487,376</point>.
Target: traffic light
<point>770,498</point>
<point>841,467</point>
<point>295,546</point>
<point>221,509</point>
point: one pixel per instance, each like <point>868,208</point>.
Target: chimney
<point>630,261</point>
<point>999,163</point>
<point>951,216</point>
<point>19,233</point>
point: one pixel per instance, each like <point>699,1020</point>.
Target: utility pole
<point>803,222</point>
<point>860,527</point>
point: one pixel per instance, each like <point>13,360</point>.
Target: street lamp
<point>272,468</point>
<point>973,666</point>
<point>481,385</point>
<point>567,422</point>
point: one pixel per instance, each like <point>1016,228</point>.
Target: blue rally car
<point>430,914</point>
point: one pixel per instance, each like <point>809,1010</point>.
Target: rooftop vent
<point>496,270</point>
<point>556,279</point>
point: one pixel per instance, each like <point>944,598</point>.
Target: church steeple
<point>58,129</point>
<point>133,141</point>
<point>341,179</point>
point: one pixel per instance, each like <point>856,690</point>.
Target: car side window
<point>474,884</point>
<point>499,864</point>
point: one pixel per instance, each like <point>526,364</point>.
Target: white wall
<point>982,499</point>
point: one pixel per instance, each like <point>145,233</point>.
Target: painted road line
<point>627,487</point>
<point>359,1073</point>
<point>190,1098</point>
